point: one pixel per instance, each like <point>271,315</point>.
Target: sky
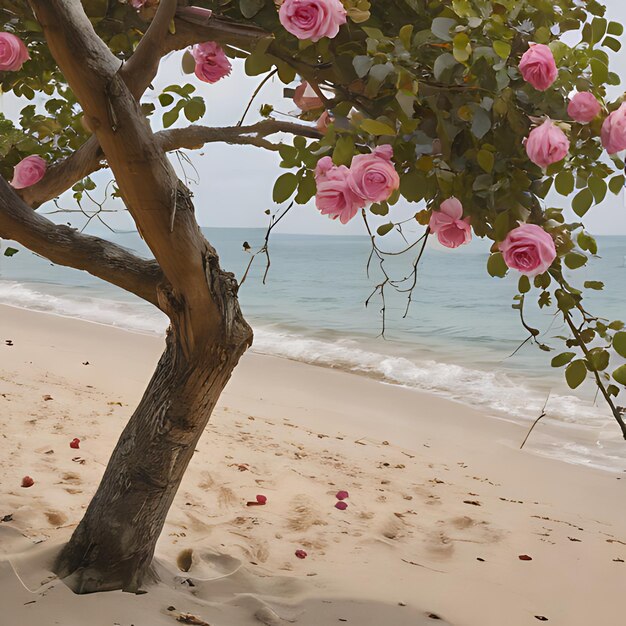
<point>234,183</point>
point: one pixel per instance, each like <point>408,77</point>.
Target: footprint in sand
<point>55,518</point>
<point>392,528</point>
<point>440,544</point>
<point>304,515</point>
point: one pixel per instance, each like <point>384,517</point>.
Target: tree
<point>463,106</point>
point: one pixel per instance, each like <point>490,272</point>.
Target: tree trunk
<point>113,546</point>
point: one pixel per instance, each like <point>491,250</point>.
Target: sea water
<point>457,339</point>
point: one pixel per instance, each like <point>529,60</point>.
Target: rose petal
<point>342,506</point>
<point>27,481</point>
<point>75,443</point>
<point>301,554</point>
<point>261,499</point>
<point>342,495</point>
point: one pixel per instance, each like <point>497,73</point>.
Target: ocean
<point>456,340</point>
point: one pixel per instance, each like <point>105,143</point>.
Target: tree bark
<point>113,546</point>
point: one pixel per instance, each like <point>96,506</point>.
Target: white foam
<point>128,315</point>
<point>493,391</point>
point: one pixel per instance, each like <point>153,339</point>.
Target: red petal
<point>301,554</point>
<point>342,506</point>
<point>261,499</point>
<point>75,444</point>
<point>342,495</point>
<point>27,481</point>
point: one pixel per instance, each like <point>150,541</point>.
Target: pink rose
<point>212,64</point>
<point>583,107</point>
<point>448,224</point>
<point>324,122</point>
<point>312,19</point>
<point>324,165</point>
<point>538,67</point>
<point>529,249</point>
<point>334,196</point>
<point>547,144</point>
<point>306,99</point>
<point>13,53</point>
<point>28,172</point>
<point>373,176</point>
<point>614,131</point>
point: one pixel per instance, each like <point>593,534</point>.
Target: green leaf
<point>362,64</point>
<point>10,252</point>
<point>481,122</point>
<point>612,43</point>
<point>486,160</point>
<point>344,149</point>
<point>496,265</point>
<point>615,28</point>
<point>384,229</point>
<point>616,184</point>
<point>170,117</point>
<point>599,358</point>
<point>166,99</point>
<point>502,48</point>
<point>188,63</point>
<point>563,359</point>
<point>619,343</point>
<point>284,187</point>
<point>441,28</point>
<point>249,8</point>
<point>594,284</point>
<point>620,375</point>
<point>598,188</point>
<point>598,28</point>
<point>524,284</point>
<point>195,109</point>
<point>406,32</point>
<point>443,63</point>
<point>462,48</point>
<point>376,128</point>
<point>576,373</point>
<point>599,72</point>
<point>413,185</point>
<point>574,260</point>
<point>564,182</point>
<point>582,202</point>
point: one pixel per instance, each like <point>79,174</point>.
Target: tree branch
<point>143,65</point>
<point>200,298</point>
<point>89,158</point>
<point>65,246</point>
<point>189,31</point>
<point>194,137</point>
<point>63,175</point>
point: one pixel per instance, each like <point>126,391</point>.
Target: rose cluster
<point>13,54</point>
<point>342,191</point>
<point>548,144</point>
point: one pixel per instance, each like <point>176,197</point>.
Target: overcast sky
<point>235,182</point>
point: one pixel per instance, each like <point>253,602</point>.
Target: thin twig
<point>543,414</point>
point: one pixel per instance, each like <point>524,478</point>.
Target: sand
<point>442,502</point>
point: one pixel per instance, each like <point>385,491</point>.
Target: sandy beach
<point>442,502</point>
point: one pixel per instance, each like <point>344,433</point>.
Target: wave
<point>496,392</point>
<point>135,316</point>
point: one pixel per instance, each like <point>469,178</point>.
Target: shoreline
<point>544,441</point>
